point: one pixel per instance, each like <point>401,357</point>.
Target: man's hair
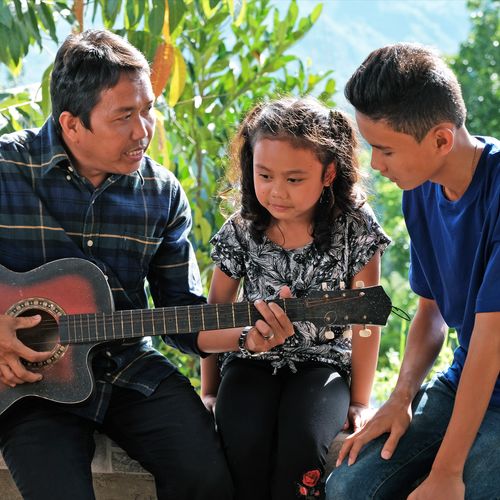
<point>85,65</point>
<point>408,86</point>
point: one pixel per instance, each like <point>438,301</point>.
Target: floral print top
<point>266,267</point>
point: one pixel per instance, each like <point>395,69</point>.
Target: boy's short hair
<point>86,64</point>
<point>409,86</point>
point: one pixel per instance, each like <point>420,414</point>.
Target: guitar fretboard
<point>85,328</point>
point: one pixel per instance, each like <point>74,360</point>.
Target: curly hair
<point>304,123</point>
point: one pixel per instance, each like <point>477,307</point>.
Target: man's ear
<point>444,137</point>
<point>330,174</point>
<point>71,126</point>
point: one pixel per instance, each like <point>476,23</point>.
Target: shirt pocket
<point>133,258</point>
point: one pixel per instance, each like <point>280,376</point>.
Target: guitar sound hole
<point>42,337</point>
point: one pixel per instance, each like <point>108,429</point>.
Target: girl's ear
<point>330,174</point>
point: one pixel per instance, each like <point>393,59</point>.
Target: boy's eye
<point>264,176</point>
<point>293,180</point>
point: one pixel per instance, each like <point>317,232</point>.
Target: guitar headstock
<point>357,306</point>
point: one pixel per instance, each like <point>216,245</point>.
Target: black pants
<point>276,428</point>
<point>49,451</point>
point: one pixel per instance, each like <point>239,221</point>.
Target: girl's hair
<point>304,123</point>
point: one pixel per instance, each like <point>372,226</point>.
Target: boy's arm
<point>476,385</point>
<point>364,352</point>
<point>425,339</point>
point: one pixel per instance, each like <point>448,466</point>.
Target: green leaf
<point>157,17</point>
<point>5,16</point>
<point>176,11</point>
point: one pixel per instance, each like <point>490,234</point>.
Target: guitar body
<point>66,286</point>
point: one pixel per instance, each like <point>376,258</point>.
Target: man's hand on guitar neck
<point>12,370</point>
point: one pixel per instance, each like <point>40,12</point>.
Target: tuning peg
<point>365,332</point>
<point>329,335</point>
<point>324,286</point>
<point>347,334</point>
<point>342,285</point>
<point>360,284</point>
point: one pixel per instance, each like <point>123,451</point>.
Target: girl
<point>302,226</point>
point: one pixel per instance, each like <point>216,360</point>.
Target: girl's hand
<point>209,401</point>
<point>440,486</point>
<point>358,416</point>
<point>274,329</point>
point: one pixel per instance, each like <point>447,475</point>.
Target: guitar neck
<point>119,325</point>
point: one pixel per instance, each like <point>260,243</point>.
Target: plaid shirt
<point>133,227</point>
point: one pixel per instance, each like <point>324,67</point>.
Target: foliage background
<point>212,60</point>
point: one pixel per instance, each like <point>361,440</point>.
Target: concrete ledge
<point>117,477</point>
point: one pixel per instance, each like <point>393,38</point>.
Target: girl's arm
<point>223,290</point>
<point>364,353</point>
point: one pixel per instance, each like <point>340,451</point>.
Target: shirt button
<point>108,354</point>
<point>70,169</point>
<point>90,243</point>
<point>68,177</point>
<point>108,374</point>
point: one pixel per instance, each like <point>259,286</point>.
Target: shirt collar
<point>53,153</point>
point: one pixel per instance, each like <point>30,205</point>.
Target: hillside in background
<point>345,33</point>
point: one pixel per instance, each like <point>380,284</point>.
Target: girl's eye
<point>295,181</point>
<point>264,176</point>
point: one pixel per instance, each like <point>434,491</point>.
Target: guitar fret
<point>202,319</point>
<point>232,310</point>
<point>217,315</point>
<point>249,314</point>
<point>176,320</point>
<point>189,319</point>
<point>131,324</point>
<point>164,321</point>
<point>104,326</point>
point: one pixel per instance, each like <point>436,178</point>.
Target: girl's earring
<point>327,197</point>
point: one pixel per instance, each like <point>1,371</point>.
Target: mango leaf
<point>162,67</point>
<point>176,11</point>
<point>157,17</point>
<point>178,80</point>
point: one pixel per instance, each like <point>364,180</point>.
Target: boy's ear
<point>444,138</point>
<point>330,174</point>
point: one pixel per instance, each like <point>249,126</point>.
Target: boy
<point>410,109</point>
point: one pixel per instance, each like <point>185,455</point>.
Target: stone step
<point>117,477</point>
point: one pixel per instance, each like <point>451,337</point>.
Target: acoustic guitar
<point>76,305</point>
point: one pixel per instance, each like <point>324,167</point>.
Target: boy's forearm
<point>474,392</point>
<point>425,339</point>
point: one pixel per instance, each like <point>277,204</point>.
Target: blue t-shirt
<point>455,251</point>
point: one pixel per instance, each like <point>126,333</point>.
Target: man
<point>410,109</point>
<point>81,186</point>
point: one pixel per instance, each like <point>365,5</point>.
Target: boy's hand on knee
<point>391,418</point>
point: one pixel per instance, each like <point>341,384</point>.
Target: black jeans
<point>49,450</point>
<point>276,428</point>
